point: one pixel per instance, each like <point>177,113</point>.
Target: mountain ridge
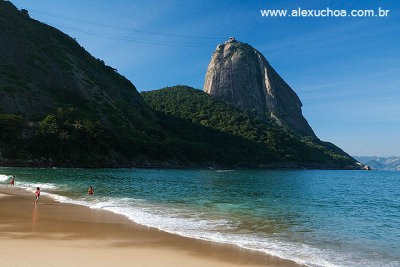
<point>380,163</point>
<point>239,74</point>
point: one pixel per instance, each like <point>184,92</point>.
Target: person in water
<point>90,191</point>
<point>37,194</point>
<point>12,180</point>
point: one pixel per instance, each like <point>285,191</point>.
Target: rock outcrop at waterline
<point>240,75</point>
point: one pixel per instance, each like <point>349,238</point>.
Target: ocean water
<point>314,217</point>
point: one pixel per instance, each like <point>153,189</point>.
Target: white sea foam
<point>32,186</point>
<point>4,178</point>
<point>188,224</point>
<point>29,185</point>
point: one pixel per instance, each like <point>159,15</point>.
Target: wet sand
<point>57,234</point>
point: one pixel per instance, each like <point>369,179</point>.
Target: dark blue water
<point>319,218</point>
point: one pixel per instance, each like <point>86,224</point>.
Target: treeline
<point>64,135</point>
<point>68,136</point>
<point>190,128</point>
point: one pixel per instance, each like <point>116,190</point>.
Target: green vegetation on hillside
<point>43,69</point>
<point>71,106</point>
<point>68,137</point>
<point>62,136</point>
<point>281,144</point>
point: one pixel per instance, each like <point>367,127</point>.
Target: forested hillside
<point>279,143</point>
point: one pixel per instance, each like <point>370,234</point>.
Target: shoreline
<point>175,165</point>
<point>65,231</point>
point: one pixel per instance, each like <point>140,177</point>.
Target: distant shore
<point>145,164</point>
<point>53,233</point>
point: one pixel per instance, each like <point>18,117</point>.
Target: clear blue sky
<point>346,71</point>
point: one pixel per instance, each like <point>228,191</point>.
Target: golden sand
<point>56,234</point>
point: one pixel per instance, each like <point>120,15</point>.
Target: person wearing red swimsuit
<point>37,194</point>
<point>12,180</point>
<point>90,191</point>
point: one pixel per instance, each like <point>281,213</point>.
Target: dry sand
<point>56,234</point>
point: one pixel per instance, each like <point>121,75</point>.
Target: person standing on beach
<point>37,195</point>
<point>12,180</point>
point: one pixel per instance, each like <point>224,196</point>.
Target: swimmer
<point>90,191</point>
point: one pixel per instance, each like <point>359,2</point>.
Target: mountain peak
<point>239,74</point>
<point>231,40</point>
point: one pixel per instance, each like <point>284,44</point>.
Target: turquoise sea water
<point>315,217</point>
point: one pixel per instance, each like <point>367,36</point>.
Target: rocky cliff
<point>240,75</point>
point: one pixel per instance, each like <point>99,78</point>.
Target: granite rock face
<point>240,75</point>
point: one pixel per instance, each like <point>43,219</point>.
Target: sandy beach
<point>57,234</point>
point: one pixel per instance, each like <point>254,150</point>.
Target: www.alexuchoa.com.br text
<point>327,12</point>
